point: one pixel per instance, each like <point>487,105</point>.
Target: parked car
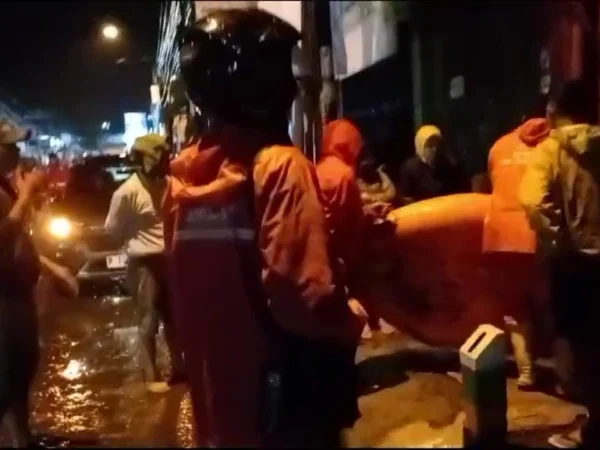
<point>70,229</point>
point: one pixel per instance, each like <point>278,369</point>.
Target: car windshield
<point>99,175</point>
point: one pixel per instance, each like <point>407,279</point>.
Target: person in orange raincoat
<point>510,242</point>
<point>268,336</point>
<point>336,171</point>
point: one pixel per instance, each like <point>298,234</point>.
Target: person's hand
<point>29,183</point>
<point>67,281</point>
<point>357,309</point>
<point>379,209</point>
<point>62,276</point>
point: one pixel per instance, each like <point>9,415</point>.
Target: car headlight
<point>60,227</point>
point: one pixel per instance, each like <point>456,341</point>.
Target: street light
<point>110,32</point>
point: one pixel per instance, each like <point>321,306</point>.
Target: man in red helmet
<point>249,248</point>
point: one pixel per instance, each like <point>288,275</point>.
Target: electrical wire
<point>173,15</point>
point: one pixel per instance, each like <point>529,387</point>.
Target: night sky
<point>54,57</point>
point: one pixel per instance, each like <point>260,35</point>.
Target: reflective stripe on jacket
<point>209,233</point>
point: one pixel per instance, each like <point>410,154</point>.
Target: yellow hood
<point>580,138</point>
<point>425,133</point>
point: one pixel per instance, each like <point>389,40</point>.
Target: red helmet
<point>237,65</point>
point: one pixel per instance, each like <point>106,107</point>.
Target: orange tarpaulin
<point>439,286</point>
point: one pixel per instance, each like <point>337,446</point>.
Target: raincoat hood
<point>423,135</point>
<point>532,132</point>
<point>342,139</point>
<point>580,138</point>
<point>217,166</point>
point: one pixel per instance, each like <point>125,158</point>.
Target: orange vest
<point>506,228</point>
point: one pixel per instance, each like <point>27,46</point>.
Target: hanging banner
<point>362,33</point>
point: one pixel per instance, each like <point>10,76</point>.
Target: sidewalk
<point>420,406</point>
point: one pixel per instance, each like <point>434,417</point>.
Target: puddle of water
<point>89,382</point>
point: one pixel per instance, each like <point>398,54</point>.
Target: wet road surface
<point>89,385</point>
<point>90,390</point>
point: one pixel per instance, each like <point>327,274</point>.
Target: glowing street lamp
<point>110,32</point>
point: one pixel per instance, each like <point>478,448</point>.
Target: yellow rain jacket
<point>561,190</point>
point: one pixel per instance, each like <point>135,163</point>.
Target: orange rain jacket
<point>213,240</point>
<point>506,228</point>
<point>508,241</point>
<point>336,171</point>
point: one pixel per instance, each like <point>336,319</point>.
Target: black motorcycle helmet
<point>237,66</point>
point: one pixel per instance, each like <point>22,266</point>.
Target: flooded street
<point>89,391</point>
<point>89,387</point>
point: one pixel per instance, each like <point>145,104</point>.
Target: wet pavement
<point>89,387</point>
<point>415,399</point>
<point>90,391</point>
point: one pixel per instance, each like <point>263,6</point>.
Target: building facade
<point>474,69</point>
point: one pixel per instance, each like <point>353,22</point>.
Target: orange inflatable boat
<point>437,285</point>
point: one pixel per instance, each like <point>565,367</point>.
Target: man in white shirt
<point>135,217</point>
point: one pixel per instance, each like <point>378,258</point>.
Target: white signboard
<point>545,84</point>
<point>457,87</point>
<point>136,125</point>
<point>363,33</point>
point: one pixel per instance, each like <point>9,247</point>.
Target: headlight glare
<point>60,227</point>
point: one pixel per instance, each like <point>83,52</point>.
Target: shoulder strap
<point>250,263</point>
<point>558,193</point>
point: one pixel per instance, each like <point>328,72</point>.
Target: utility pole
<point>593,54</point>
<point>330,90</point>
<point>312,82</point>
<point>299,105</point>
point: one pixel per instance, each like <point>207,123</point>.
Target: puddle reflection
<point>89,383</point>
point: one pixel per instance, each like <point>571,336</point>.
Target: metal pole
<point>312,51</point>
<point>298,107</point>
<point>340,99</point>
<point>329,89</point>
<point>417,73</point>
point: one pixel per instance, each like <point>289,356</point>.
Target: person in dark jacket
<point>430,172</point>
<point>20,268</point>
